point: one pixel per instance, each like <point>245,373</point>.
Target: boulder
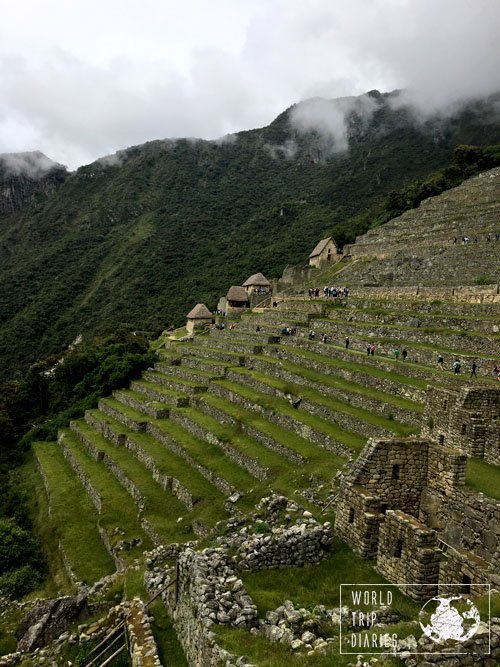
<point>48,620</point>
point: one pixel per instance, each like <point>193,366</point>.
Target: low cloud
<point>212,69</point>
<point>287,149</point>
<point>35,164</point>
<point>330,119</point>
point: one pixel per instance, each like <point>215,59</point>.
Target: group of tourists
<point>467,239</point>
<point>328,292</point>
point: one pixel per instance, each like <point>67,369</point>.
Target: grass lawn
<point>484,477</point>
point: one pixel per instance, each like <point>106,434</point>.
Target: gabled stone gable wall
<point>394,470</point>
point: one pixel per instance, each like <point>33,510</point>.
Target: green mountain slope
<point>138,239</point>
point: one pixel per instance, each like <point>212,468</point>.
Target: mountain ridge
<point>134,239</point>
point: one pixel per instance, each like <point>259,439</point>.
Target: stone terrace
<point>418,249</point>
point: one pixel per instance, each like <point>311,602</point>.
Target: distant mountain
<point>137,239</point>
<point>26,176</point>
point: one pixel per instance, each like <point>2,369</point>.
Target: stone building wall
<point>394,470</point>
<point>408,554</point>
<point>467,419</point>
<point>357,520</point>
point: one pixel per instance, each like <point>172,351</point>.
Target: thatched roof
<point>199,312</point>
<point>237,293</point>
<point>321,246</point>
<point>258,280</point>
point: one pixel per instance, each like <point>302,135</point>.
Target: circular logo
<point>452,617</point>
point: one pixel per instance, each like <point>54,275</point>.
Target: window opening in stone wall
<point>445,405</point>
<point>398,549</point>
<point>351,515</point>
<point>464,429</point>
<point>384,507</point>
<point>466,582</point>
<point>441,439</point>
<point>396,469</point>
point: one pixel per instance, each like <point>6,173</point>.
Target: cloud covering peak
<point>165,69</point>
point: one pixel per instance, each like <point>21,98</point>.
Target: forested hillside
<point>137,239</point>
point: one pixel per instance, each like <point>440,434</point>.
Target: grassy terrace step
<point>328,434</point>
<point>438,307</point>
<point>483,477</point>
<point>355,393</point>
<point>141,403</point>
<point>158,506</point>
<point>217,354</point>
<point>315,459</point>
<point>210,456</point>
<point>437,340</point>
<point>158,393</point>
<point>129,416</point>
<point>72,515</point>
<point>194,375</point>
<point>416,375</point>
<point>256,427</point>
<point>464,327</point>
<point>312,397</point>
<point>116,503</point>
<point>370,374</point>
<point>242,450</point>
<point>207,499</point>
<point>210,365</point>
<point>175,384</point>
<point>282,476</point>
<point>231,345</point>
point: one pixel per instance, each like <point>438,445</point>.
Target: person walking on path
<point>368,348</point>
<point>404,353</point>
<point>347,341</point>
<point>397,353</point>
<point>457,366</point>
<point>372,349</point>
<point>440,363</point>
<point>473,370</point>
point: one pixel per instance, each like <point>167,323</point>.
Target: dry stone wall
<point>468,420</point>
<point>408,554</point>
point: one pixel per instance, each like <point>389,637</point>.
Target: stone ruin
<point>404,501</point>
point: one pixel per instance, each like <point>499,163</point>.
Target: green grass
<point>347,385</point>
<point>263,653</point>
<point>352,440</point>
<point>118,510</point>
<point>73,518</point>
<point>356,367</point>
<point>209,501</point>
<point>484,477</point>
<point>161,508</point>
<point>315,396</point>
<point>283,476</point>
<point>169,649</point>
<point>319,584</point>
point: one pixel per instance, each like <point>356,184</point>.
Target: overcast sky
<point>80,79</point>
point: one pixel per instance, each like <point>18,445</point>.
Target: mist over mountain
<point>136,239</point>
<point>25,177</point>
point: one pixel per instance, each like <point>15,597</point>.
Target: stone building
<point>198,318</point>
<point>237,299</point>
<point>258,289</point>
<point>404,502</point>
<point>468,419</point>
<point>325,251</point>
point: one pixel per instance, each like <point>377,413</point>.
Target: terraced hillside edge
<point>246,453</point>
